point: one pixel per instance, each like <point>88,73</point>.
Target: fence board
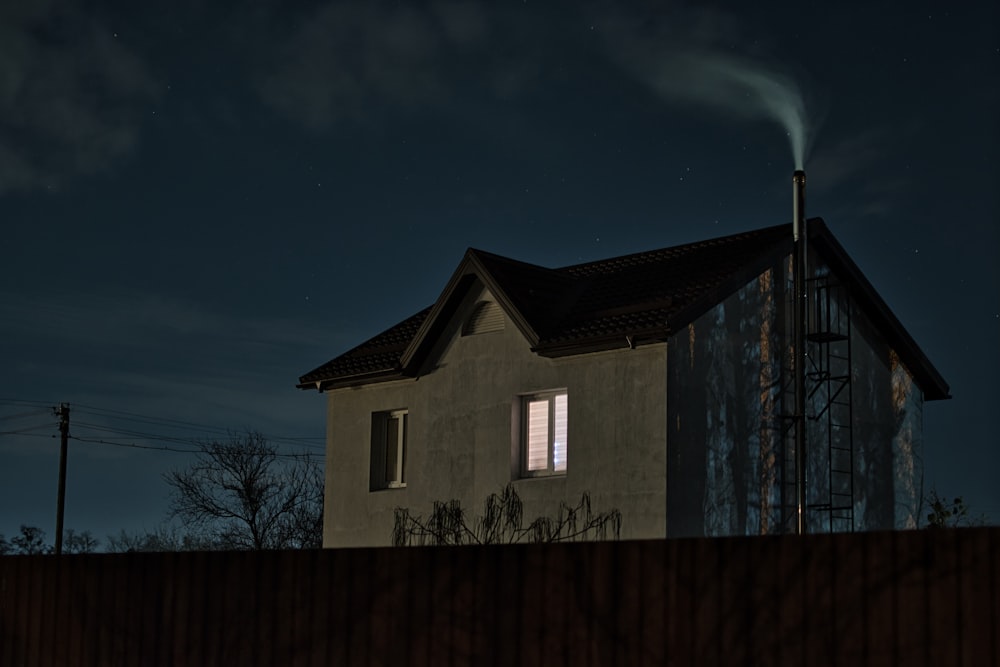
<point>849,602</point>
<point>910,602</point>
<point>764,601</point>
<point>975,599</point>
<point>942,594</point>
<point>673,606</point>
<point>648,578</point>
<point>33,631</point>
<point>790,596</point>
<point>994,585</point>
<point>817,574</point>
<point>918,598</point>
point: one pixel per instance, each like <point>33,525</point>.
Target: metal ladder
<point>829,398</point>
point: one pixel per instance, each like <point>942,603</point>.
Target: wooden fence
<point>908,598</point>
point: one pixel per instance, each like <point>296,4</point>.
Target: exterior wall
<point>886,421</point>
<point>888,411</point>
<point>724,414</point>
<point>731,446</point>
<point>463,434</point>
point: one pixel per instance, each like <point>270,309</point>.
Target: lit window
<point>388,464</point>
<point>544,431</point>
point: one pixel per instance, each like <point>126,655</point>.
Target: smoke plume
<point>689,72</point>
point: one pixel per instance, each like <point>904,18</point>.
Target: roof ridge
<point>481,254</point>
<point>631,299</point>
<point>575,269</point>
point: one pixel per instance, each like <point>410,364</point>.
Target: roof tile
<point>645,295</point>
<point>379,354</point>
<point>573,304</point>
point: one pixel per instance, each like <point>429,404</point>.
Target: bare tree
<point>502,522</point>
<point>943,513</point>
<point>79,543</point>
<point>31,540</point>
<point>163,538</point>
<point>243,494</point>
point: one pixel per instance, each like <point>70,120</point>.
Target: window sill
<point>546,475</point>
<point>392,487</point>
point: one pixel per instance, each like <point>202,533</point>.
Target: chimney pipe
<point>798,204</point>
<point>800,313</point>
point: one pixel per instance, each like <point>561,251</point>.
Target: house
<point>659,382</point>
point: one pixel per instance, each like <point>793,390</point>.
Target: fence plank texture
<point>915,598</point>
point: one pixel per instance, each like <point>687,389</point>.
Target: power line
<point>157,421</point>
<point>136,434</point>
<point>192,426</point>
<point>26,429</point>
<point>19,415</point>
<point>129,433</point>
<point>18,401</point>
<point>166,421</point>
<point>164,448</point>
<point>35,435</point>
<point>135,446</point>
<point>310,442</point>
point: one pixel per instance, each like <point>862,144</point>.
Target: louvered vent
<point>487,316</point>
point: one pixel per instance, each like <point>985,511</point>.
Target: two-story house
<point>659,382</point>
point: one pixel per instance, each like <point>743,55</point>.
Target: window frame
<point>379,479</point>
<point>524,403</point>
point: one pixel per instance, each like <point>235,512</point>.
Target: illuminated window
<point>388,452</point>
<point>544,429</point>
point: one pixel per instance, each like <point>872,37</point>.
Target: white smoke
<point>738,87</point>
<point>690,72</point>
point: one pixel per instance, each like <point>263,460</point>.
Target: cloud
<point>841,161</point>
<point>70,95</point>
<point>149,333</point>
<point>841,171</point>
<point>347,56</point>
<point>347,61</point>
<point>163,356</point>
<point>256,398</point>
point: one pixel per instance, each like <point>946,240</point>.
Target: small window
<point>544,431</point>
<point>388,464</point>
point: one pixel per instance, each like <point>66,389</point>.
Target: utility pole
<point>63,413</point>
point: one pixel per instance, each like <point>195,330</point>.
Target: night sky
<point>201,201</point>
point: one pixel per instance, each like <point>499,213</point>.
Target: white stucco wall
<point>461,434</point>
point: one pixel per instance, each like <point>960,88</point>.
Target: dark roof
<point>628,300</point>
<point>376,356</point>
<point>652,294</point>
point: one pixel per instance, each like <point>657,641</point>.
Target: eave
<point>353,380</point>
<point>927,377</point>
<point>469,270</point>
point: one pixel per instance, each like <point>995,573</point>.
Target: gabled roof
<point>623,301</point>
<point>375,358</point>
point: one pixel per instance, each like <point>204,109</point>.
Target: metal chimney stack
<point>798,204</point>
<point>800,313</point>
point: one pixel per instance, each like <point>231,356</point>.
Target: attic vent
<point>486,317</point>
